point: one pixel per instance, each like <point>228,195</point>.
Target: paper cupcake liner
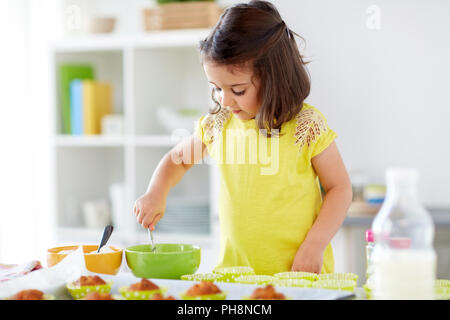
<point>299,283</point>
<point>202,277</point>
<point>442,283</point>
<point>297,275</point>
<point>79,292</point>
<point>254,279</point>
<point>338,276</point>
<point>367,291</point>
<point>218,296</point>
<point>442,290</point>
<point>140,294</point>
<point>347,285</point>
<point>231,273</point>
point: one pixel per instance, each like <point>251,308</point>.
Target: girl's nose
<point>226,100</point>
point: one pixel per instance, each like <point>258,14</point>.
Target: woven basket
<point>182,15</point>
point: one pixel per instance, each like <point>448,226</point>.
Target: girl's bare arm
<point>149,208</point>
<point>334,178</point>
<point>336,182</point>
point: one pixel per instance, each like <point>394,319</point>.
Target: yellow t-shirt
<point>269,192</point>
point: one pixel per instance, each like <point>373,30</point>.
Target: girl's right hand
<point>149,209</point>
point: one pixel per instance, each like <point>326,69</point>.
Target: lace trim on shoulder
<point>213,124</point>
<point>310,125</point>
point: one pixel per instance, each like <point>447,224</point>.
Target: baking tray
<point>235,290</point>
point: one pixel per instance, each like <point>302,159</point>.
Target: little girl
<point>274,220</point>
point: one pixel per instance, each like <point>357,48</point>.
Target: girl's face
<point>234,89</point>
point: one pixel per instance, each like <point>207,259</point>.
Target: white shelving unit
<point>146,71</point>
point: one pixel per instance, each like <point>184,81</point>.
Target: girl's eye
<point>240,93</point>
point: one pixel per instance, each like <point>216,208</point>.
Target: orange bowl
<point>106,263</point>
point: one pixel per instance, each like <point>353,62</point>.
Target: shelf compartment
<point>89,141</point>
<point>166,77</point>
<point>153,39</point>
<point>107,65</point>
<point>85,174</point>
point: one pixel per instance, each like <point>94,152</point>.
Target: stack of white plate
<point>185,219</point>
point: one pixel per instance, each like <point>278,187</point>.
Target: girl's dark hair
<point>255,35</point>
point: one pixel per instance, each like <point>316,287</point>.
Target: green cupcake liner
<point>442,283</point>
<point>442,292</point>
<point>202,277</point>
<point>254,279</point>
<point>218,296</point>
<point>346,285</point>
<point>367,291</point>
<point>114,296</point>
<point>299,283</point>
<point>297,275</point>
<point>231,273</point>
<point>338,276</point>
<point>140,294</point>
<point>79,292</point>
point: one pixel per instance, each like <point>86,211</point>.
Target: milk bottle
<point>404,261</point>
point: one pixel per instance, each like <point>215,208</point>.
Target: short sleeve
<point>210,126</point>
<point>313,135</point>
<point>198,132</point>
<point>324,140</point>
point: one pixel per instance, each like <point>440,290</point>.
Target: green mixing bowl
<point>168,261</point>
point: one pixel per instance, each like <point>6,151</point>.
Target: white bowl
<point>182,118</point>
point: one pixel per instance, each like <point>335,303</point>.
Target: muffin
<point>85,284</point>
<point>142,290</point>
<point>89,281</point>
<point>205,290</point>
<point>31,294</point>
<point>159,296</point>
<point>266,293</point>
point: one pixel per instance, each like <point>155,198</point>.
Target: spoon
<point>151,240</point>
<point>105,237</point>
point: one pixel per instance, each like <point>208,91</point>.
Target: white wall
<point>26,26</point>
<point>385,91</point>
<point>16,174</point>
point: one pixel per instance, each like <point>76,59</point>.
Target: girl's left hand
<point>308,259</point>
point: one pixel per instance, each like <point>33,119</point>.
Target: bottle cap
<point>369,235</point>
